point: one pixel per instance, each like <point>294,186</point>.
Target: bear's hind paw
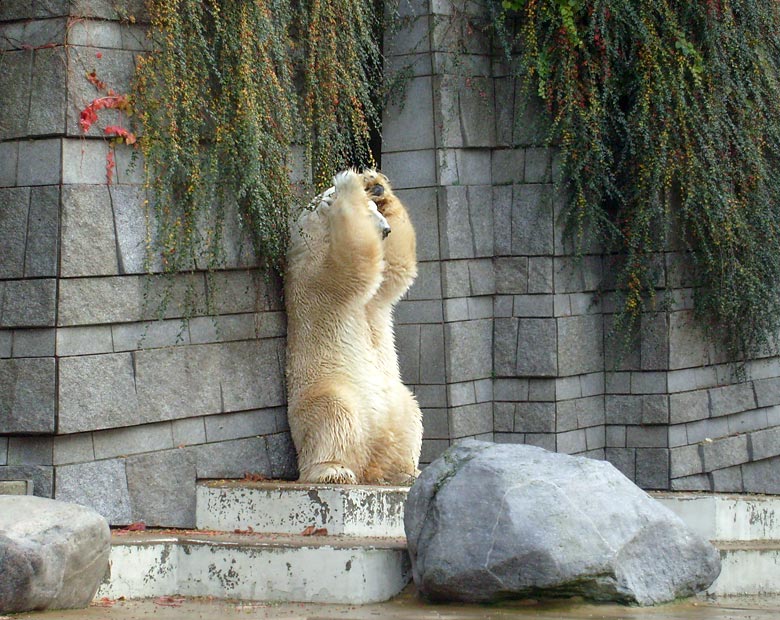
<point>330,473</point>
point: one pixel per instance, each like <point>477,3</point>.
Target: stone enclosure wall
<point>501,337</point>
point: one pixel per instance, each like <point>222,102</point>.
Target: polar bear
<point>351,418</point>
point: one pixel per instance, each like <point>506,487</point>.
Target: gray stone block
<point>511,390</point>
<point>580,344</point>
<point>417,312</point>
<point>100,485</point>
<point>685,461</point>
<point>471,420</point>
<point>654,340</point>
<point>281,455</point>
<point>652,468</point>
<point>728,480</point>
<point>97,392</point>
<point>541,389</point>
<point>433,449</point>
<point>595,438</point>
<point>13,230</point>
<point>464,166</point>
<point>532,220</point>
<point>469,350</point>
<point>655,409</point>
<point>538,165</point>
<point>725,452</point>
<point>649,382</point>
<point>505,347</point>
<point>48,92</point>
<point>537,354</point>
<point>516,438</point>
<point>761,477</point>
<point>411,169</point>
<point>27,395</point>
<point>704,430</point>
<point>33,450</point>
<point>534,417</point>
<point>747,421</point>
<point>41,475</point>
<point>565,415</point>
<point>408,124</point>
<point>42,252</point>
<point>232,459</point>
<point>482,277</point>
<point>89,246</point>
<point>240,425</point>
<point>162,488</point>
<point>9,155</point>
<point>508,166</point>
<point>617,382</point>
<point>407,341</point>
<point>15,77</point>
<point>502,219</point>
<point>188,432</point>
<point>457,232</point>
<point>430,396</point>
<point>90,32</point>
<point>678,436</point>
<point>503,417</point>
<point>697,482</point>
<point>688,406</point>
<point>480,307</point>
<point>615,436</point>
<point>428,282</point>
<point>76,448</point>
<point>623,409</point>
<point>132,440</point>
<point>423,208</point>
<point>624,460</point>
<point>84,161</point>
<point>647,436</point>
<point>767,391</point>
<point>39,162</point>
<point>84,340</point>
<point>6,343</point>
<point>732,399</point>
<point>33,343</point>
<point>28,303</point>
<point>765,444</point>
<point>3,450</point>
<point>436,423</point>
<point>533,306</point>
<point>688,347</point>
<point>571,442</point>
<point>459,394</point>
<point>110,10</point>
<point>456,281</point>
<point>511,275</point>
<point>465,114</point>
<point>152,335</point>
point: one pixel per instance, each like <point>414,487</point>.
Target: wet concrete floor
<point>408,606</point>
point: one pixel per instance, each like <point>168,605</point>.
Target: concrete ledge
<point>259,567</point>
<point>290,508</point>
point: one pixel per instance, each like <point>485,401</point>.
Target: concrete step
<point>256,567</point>
<point>289,508</point>
<point>748,568</point>
<point>725,516</point>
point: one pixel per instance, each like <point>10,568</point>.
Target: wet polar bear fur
<point>351,418</point>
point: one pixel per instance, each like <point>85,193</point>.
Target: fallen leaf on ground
<point>315,531</point>
<point>169,601</point>
<point>138,526</point>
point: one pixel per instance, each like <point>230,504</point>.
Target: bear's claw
<point>329,473</point>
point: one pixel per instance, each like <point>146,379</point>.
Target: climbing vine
<point>667,115</point>
<point>228,92</point>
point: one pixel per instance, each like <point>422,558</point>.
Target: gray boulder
<point>53,555</point>
<point>486,522</point>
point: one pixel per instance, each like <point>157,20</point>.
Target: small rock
<point>53,555</point>
<point>487,522</point>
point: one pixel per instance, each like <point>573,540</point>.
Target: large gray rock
<point>53,555</point>
<point>486,522</point>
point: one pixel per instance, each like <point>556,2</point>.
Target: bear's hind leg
<point>328,436</point>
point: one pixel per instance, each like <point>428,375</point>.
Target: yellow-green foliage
<point>668,118</point>
<point>228,89</point>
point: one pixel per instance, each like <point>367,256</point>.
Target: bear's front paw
<point>329,473</point>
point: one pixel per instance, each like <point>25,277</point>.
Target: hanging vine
<point>227,91</point>
<point>667,115</point>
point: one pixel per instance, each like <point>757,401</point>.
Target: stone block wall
<point>502,337</point>
<point>101,403</point>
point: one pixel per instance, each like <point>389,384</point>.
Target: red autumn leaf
<point>138,526</point>
<point>308,531</point>
<point>169,601</point>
